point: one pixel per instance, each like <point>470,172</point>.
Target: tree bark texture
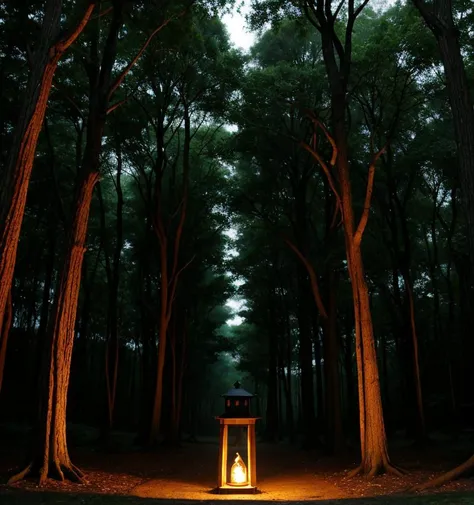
<point>20,162</point>
<point>51,456</point>
<point>337,55</point>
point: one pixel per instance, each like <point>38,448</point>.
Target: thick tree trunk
<point>20,163</point>
<point>374,452</point>
<point>50,456</point>
<point>337,55</point>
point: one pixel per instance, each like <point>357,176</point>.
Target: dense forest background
<point>204,175</point>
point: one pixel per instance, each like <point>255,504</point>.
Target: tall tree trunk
<point>51,456</point>
<point>374,452</point>
<point>438,15</point>
<point>168,266</point>
<point>337,55</point>
<point>20,163</point>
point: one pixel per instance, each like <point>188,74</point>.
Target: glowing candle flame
<point>238,472</point>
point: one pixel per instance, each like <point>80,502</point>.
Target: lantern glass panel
<point>237,444</point>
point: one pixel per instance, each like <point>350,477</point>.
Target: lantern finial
<point>237,385</point>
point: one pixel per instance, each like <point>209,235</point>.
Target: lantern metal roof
<point>238,391</point>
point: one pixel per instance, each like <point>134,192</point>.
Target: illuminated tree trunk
<point>374,454</point>
<point>337,55</point>
<point>50,455</point>
<point>20,163</point>
<point>168,268</point>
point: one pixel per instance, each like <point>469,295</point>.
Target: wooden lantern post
<point>241,477</point>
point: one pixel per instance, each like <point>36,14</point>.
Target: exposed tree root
<point>444,478</point>
<point>376,470</point>
<point>20,475</point>
<point>55,471</point>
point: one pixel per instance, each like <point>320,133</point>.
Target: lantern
<point>235,475</point>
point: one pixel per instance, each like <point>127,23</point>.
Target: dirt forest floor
<point>285,474</point>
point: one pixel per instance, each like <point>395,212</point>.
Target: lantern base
<point>228,489</point>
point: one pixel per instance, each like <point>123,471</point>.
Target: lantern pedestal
<point>223,485</point>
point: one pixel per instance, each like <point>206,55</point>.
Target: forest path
<point>283,474</point>
<point>179,476</point>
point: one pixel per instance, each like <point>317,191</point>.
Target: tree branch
<point>312,276</point>
<point>368,198</point>
<point>118,81</point>
<point>64,44</point>
<point>325,168</point>
<point>117,105</point>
